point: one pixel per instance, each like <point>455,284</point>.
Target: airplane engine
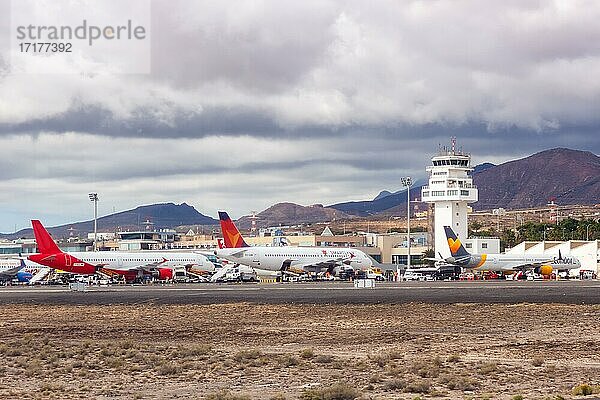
<point>165,273</point>
<point>545,270</point>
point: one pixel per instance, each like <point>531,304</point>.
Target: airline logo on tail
<point>456,247</point>
<point>231,236</point>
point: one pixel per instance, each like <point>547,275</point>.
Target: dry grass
<point>339,391</point>
<point>197,351</point>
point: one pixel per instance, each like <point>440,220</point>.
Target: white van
<point>413,276</point>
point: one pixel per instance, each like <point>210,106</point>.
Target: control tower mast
<point>450,189</point>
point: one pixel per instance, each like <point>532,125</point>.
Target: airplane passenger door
<point>120,261</point>
<point>68,260</point>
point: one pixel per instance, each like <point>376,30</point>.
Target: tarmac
<point>486,292</point>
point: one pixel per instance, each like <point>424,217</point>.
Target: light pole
<point>407,181</point>
<point>94,197</point>
<point>587,232</point>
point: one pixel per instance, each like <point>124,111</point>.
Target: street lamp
<point>406,182</point>
<point>587,232</point>
<point>94,197</point>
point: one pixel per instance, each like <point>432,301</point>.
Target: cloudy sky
<point>248,103</point>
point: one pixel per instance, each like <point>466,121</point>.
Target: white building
<point>450,189</point>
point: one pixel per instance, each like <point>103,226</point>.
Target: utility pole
<point>407,181</point>
<point>94,198</point>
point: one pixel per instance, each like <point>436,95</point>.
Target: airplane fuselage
<point>511,262</point>
<point>299,259</point>
<point>124,263</point>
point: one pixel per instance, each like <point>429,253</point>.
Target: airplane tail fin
<point>45,243</point>
<point>231,235</point>
<point>456,247</point>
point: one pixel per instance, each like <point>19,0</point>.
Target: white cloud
<point>253,102</point>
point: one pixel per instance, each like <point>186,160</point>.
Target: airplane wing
<point>145,267</point>
<point>11,272</point>
<point>316,265</point>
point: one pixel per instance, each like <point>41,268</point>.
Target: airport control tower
<point>450,189</point>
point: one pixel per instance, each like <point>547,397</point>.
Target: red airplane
<point>131,265</point>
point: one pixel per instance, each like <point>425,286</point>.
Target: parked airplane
<point>540,264</point>
<point>20,269</point>
<point>129,264</point>
<point>286,258</point>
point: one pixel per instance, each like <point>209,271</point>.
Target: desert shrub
<point>307,353</point>
<point>324,359</point>
<point>453,358</point>
<point>418,387</point>
<point>361,366</point>
<point>107,351</point>
<point>395,355</point>
<point>537,362</point>
<point>395,384</point>
<point>245,355</point>
<point>425,369</point>
<point>379,359</point>
<point>127,344</point>
<point>191,351</point>
<point>488,368</point>
<point>288,360</point>
<point>51,387</point>
<point>226,395</point>
<point>168,368</point>
<point>278,396</point>
<point>517,397</point>
<point>339,391</point>
<point>458,382</point>
<point>582,390</point>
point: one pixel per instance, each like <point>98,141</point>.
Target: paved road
<point>570,292</point>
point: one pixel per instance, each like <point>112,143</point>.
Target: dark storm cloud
<point>250,103</point>
<point>143,123</point>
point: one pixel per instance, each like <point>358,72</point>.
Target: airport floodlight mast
<point>406,182</point>
<point>94,197</point>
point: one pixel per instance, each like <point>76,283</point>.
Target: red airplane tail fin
<point>231,236</point>
<point>45,243</point>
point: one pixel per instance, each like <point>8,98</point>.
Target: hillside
<point>379,205</point>
<point>164,215</point>
<point>292,214</point>
<point>570,176</point>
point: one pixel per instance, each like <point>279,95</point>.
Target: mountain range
<point>164,215</point>
<point>292,214</point>
<point>564,175</point>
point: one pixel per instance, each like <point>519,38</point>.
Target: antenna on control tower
<point>253,218</point>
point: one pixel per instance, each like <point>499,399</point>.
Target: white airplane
<point>20,269</point>
<point>285,258</point>
<point>540,264</point>
<point>131,265</point>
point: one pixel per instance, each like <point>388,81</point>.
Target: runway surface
<point>569,292</point>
